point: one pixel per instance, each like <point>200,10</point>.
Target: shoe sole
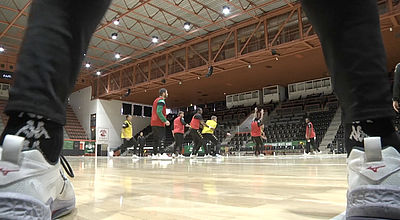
<point>373,202</point>
<point>20,206</point>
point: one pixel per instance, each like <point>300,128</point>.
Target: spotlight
<point>154,39</point>
<point>198,77</point>
<point>186,26</point>
<point>98,73</point>
<point>117,55</point>
<point>210,71</point>
<point>87,65</point>
<point>390,29</point>
<point>249,66</point>
<point>2,49</point>
<point>276,58</point>
<point>116,22</point>
<point>114,36</point>
<point>180,82</point>
<point>226,10</point>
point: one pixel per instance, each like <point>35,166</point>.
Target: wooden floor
<point>282,187</point>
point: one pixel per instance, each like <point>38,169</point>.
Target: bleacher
<point>73,127</point>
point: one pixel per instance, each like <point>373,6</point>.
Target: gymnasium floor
<point>281,187</point>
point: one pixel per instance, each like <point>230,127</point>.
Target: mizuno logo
<point>5,172</point>
<point>375,169</point>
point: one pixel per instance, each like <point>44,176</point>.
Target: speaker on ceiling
<point>210,71</point>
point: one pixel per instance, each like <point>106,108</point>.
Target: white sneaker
<point>192,156</point>
<point>164,156</point>
<point>135,156</point>
<point>111,153</point>
<point>174,156</point>
<point>374,182</point>
<point>261,155</point>
<point>30,187</point>
<point>181,156</point>
<point>154,157</point>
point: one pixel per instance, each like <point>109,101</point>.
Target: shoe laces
<point>66,166</point>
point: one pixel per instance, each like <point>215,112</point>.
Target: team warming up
<point>239,109</point>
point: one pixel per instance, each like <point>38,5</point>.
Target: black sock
<point>39,133</point>
<point>382,127</point>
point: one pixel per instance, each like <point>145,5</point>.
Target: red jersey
<point>310,133</point>
<point>155,120</point>
<point>195,123</point>
<point>178,126</point>
<point>255,129</point>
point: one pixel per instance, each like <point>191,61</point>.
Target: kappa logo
<point>375,169</point>
<point>5,172</point>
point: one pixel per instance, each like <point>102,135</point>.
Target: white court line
<point>278,164</point>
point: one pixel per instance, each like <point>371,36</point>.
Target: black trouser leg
<point>214,141</point>
<point>134,144</point>
<point>258,142</point>
<point>308,147</point>
<point>197,139</point>
<point>178,143</point>
<point>354,53</point>
<point>159,135</point>
<point>56,38</point>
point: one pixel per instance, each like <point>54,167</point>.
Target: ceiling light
<point>2,49</point>
<point>114,36</point>
<point>117,55</point>
<point>98,73</point>
<point>276,58</point>
<point>390,29</point>
<point>249,66</point>
<point>186,26</point>
<point>116,22</point>
<point>154,39</point>
<point>180,83</point>
<point>198,77</point>
<point>87,65</point>
<point>226,10</point>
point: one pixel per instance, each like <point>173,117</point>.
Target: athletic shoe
<point>154,157</point>
<point>374,182</point>
<point>135,156</point>
<point>111,153</point>
<point>218,156</point>
<point>174,156</point>
<point>192,156</point>
<point>164,156</point>
<point>30,187</point>
<point>181,156</point>
<point>261,155</point>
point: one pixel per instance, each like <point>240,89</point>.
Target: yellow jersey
<point>207,130</point>
<point>127,132</point>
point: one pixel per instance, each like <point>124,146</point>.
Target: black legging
<point>214,141</point>
<point>259,143</point>
<point>197,139</point>
<point>158,136</point>
<point>178,143</point>
<point>126,144</point>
